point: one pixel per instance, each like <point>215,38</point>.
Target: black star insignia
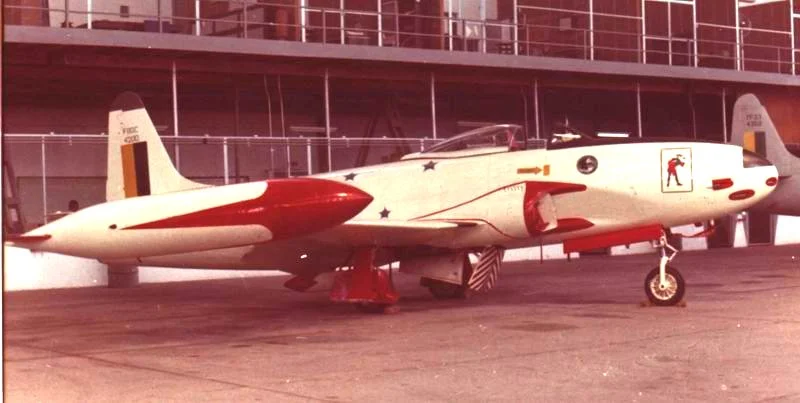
<point>350,176</point>
<point>430,165</point>
<point>385,213</point>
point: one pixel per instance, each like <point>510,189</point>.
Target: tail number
<point>131,134</point>
<point>752,120</point>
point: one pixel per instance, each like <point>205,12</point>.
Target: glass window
<point>580,5</point>
<point>460,107</point>
<point>708,116</point>
<point>716,46</point>
<point>768,15</point>
<point>616,38</point>
<point>555,33</point>
<point>766,51</point>
<point>618,7</point>
<point>377,109</point>
<point>655,18</point>
<point>666,114</point>
<point>797,32</point>
<point>590,111</point>
<point>682,34</point>
<point>716,12</point>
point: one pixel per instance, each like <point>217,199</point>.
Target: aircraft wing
<point>334,247</point>
<point>392,233</point>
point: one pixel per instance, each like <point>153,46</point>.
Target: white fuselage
<point>205,219</point>
<point>624,191</point>
<point>627,190</point>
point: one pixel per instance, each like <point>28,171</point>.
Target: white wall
<point>25,270</point>
<point>788,230</point>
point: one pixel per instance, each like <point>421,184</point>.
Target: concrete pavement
<point>558,331</point>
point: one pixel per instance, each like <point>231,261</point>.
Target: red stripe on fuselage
<point>621,237</point>
<point>287,208</point>
<point>558,187</point>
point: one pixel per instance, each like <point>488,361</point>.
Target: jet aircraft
<point>753,129</point>
<point>447,214</point>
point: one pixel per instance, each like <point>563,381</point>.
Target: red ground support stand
<point>364,283</point>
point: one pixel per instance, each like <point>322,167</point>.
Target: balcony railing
<point>296,155</point>
<point>46,180</point>
<point>718,46</point>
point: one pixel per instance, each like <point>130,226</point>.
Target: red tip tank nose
<point>305,205</point>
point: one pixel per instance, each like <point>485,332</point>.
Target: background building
<point>252,89</point>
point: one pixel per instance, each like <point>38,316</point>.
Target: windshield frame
<point>452,144</point>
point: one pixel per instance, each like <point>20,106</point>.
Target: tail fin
<point>138,163</point>
<point>753,130</point>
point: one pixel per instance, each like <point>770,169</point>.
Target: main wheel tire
<point>441,290</point>
<point>666,296</point>
<point>372,308</point>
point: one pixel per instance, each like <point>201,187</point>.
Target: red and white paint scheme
<point>154,211</point>
<point>446,214</point>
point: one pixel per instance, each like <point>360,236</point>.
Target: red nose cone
<point>306,205</point>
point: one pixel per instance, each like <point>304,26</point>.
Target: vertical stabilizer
<point>138,163</point>
<point>753,129</point>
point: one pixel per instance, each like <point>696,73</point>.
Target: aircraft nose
<point>757,183</point>
<point>306,205</point>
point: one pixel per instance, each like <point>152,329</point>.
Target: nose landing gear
<point>664,285</point>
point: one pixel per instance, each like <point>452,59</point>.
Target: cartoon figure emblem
<point>676,170</point>
<point>672,169</point>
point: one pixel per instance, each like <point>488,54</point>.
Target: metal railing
<point>48,173</point>
<point>298,151</point>
<point>712,45</point>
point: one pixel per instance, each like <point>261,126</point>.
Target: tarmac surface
<point>558,331</point>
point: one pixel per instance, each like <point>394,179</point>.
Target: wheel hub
<point>666,290</point>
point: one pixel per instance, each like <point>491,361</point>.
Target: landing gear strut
<point>367,287</point>
<point>664,285</point>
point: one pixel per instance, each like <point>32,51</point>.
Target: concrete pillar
<point>123,276</point>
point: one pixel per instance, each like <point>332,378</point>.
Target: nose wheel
<point>666,293</point>
<point>664,285</point>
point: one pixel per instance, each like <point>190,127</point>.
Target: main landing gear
<point>664,285</point>
<point>478,274</point>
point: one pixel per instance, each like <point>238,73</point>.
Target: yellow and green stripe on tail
<point>755,142</point>
<point>135,171</point>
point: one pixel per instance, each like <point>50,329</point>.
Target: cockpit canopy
<point>484,140</point>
